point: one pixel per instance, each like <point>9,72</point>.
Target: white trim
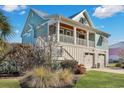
<point>57,30</point>
<point>75,35</point>
<point>48,31</point>
<point>87,38</point>
<point>28,32</point>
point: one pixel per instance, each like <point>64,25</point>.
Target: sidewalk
<point>119,70</point>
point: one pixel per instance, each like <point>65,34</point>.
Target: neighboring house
<point>115,50</point>
<point>76,35</point>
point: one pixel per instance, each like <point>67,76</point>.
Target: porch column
<point>75,35</point>
<point>95,40</point>
<point>57,30</point>
<point>87,38</point>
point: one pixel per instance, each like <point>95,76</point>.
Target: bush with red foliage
<point>80,69</point>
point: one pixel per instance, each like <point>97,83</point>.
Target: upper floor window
<point>82,20</point>
<point>66,32</point>
<point>100,41</point>
<point>80,35</point>
<point>52,29</point>
<point>32,14</point>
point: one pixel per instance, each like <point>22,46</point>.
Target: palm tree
<point>5,32</point>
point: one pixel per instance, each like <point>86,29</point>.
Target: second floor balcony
<point>71,35</point>
<point>79,41</point>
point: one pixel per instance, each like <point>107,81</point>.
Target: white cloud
<point>106,11</point>
<point>102,26</point>
<point>23,6</point>
<point>16,31</point>
<point>11,8</point>
<point>22,12</point>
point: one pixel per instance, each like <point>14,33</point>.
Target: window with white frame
<point>66,32</point>
<point>80,35</point>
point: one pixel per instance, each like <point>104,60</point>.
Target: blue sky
<point>107,18</point>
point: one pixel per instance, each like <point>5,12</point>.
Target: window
<point>100,41</point>
<point>68,33</point>
<point>64,32</point>
<point>32,14</point>
<point>82,20</point>
<point>61,31</point>
<point>52,29</point>
<point>71,33</point>
<point>79,35</point>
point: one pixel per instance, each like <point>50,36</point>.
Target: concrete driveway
<point>112,70</point>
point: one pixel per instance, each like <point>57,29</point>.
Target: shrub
<point>26,57</point>
<point>9,68</point>
<point>39,78</point>
<point>80,69</point>
<point>122,65</point>
<point>56,66</point>
<point>65,78</point>
<point>45,78</point>
<point>118,65</point>
<point>69,64</point>
<point>115,61</point>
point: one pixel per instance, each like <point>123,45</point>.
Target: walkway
<point>114,70</point>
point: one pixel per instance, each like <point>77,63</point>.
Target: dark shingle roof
<point>75,14</point>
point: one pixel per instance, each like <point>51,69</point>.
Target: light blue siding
<point>34,20</point>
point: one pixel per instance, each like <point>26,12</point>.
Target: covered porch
<point>69,34</point>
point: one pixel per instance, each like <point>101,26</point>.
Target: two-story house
<point>77,35</point>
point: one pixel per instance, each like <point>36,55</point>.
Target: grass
<point>9,83</point>
<point>92,79</point>
<point>97,79</point>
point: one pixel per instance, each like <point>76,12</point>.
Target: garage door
<point>89,59</point>
<point>101,60</point>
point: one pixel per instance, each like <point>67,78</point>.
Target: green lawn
<point>93,79</point>
<point>9,83</point>
<point>96,79</point>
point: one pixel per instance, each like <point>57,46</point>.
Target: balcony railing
<point>66,39</point>
<point>91,43</point>
<point>81,41</point>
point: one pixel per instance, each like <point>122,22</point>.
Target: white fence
<point>81,41</point>
<point>67,39</point>
<point>91,43</point>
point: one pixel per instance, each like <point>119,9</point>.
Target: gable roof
<point>72,16</point>
<point>39,13</point>
<point>85,14</point>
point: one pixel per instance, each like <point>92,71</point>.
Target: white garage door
<point>101,60</point>
<point>89,58</point>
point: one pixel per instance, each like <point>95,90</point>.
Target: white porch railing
<point>81,41</point>
<point>67,39</point>
<point>91,43</point>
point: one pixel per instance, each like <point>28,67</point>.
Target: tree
<point>5,33</point>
